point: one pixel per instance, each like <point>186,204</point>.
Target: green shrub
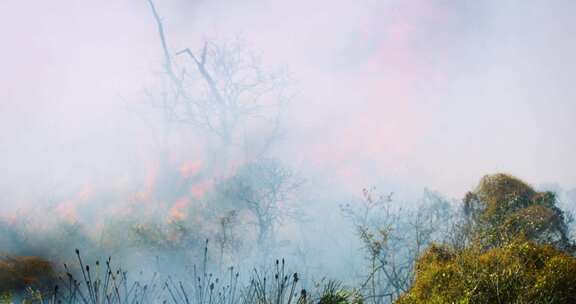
<point>503,208</point>
<point>518,251</point>
<point>520,272</point>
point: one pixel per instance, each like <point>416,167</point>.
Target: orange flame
<point>149,182</point>
<point>178,210</point>
<point>189,169</point>
<point>198,190</point>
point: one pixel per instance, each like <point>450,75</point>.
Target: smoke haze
<point>401,95</point>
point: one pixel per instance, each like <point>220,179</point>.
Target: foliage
<point>6,298</point>
<point>19,272</point>
<point>519,272</point>
<point>394,237</point>
<point>334,293</point>
<point>517,251</point>
<point>41,233</point>
<point>503,208</point>
<point>104,283</point>
<point>175,235</point>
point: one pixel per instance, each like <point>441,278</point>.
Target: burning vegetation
<point>207,213</point>
<point>434,254</point>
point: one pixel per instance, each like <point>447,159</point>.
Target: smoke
<point>398,94</point>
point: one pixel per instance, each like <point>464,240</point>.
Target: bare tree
<point>266,190</point>
<point>393,239</point>
<point>223,89</point>
<point>218,96</point>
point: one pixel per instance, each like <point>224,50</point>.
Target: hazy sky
<point>430,93</point>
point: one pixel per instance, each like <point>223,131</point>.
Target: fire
<point>189,169</point>
<point>149,183</point>
<point>198,190</point>
<point>178,210</point>
<point>68,209</point>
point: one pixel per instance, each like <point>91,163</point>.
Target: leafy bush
<point>503,208</point>
<point>18,273</point>
<point>519,272</point>
<point>518,251</point>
